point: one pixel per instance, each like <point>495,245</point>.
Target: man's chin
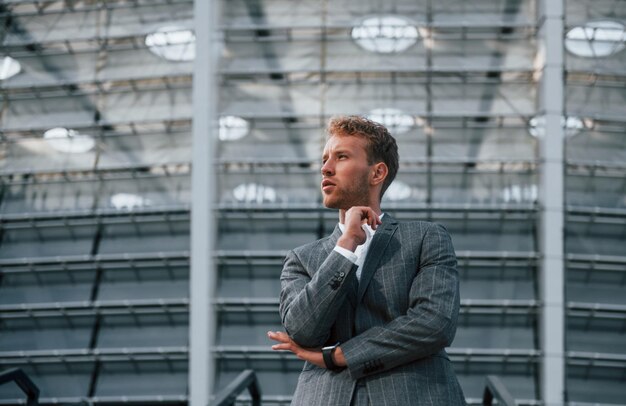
<point>330,203</point>
<point>334,204</point>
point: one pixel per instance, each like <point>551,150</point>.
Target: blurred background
<point>511,121</point>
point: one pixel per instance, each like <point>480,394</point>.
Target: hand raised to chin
<point>354,218</point>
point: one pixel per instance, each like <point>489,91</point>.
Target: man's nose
<point>327,169</point>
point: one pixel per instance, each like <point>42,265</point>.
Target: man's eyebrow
<point>335,152</point>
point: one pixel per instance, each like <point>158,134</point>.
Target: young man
<point>371,307</point>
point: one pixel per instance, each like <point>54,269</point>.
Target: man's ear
<point>379,173</point>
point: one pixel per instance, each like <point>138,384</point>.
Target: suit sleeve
<point>309,305</point>
<point>430,322</point>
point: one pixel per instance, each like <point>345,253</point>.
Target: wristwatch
<point>327,354</point>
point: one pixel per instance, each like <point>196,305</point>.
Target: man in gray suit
<point>371,307</point>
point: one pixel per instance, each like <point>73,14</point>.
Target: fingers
<point>279,336</point>
<point>354,219</point>
<point>284,347</point>
<point>365,214</point>
<point>285,342</point>
<point>373,219</point>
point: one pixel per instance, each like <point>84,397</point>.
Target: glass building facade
<point>510,119</point>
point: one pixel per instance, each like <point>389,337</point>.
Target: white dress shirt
<point>358,256</point>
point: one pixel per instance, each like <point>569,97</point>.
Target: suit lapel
<point>379,243</point>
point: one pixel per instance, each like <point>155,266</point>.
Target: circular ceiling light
<point>571,125</point>
<point>128,201</point>
<point>398,190</point>
<point>385,34</point>
<point>519,193</point>
<point>254,193</point>
<point>233,128</point>
<point>69,141</point>
<point>396,121</point>
<point>172,43</point>
<point>9,67</point>
<point>596,39</point>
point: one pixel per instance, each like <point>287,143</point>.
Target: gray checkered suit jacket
<point>393,324</point>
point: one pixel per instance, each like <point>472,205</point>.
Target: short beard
<point>357,194</point>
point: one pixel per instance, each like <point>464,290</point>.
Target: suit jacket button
<point>341,274</point>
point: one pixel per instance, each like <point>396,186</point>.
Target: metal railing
<point>24,382</point>
<point>495,389</point>
<point>246,380</point>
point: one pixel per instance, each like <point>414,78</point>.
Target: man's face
<point>345,172</point>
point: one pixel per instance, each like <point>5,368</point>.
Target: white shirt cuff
<point>351,256</point>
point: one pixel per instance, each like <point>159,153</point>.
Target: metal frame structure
<point>202,280</point>
<point>551,104</point>
<point>245,380</point>
<point>23,382</point>
<point>494,388</point>
<point>179,285</point>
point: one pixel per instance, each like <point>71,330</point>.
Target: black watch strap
<point>327,354</point>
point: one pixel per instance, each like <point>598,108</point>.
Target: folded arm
<point>309,305</point>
